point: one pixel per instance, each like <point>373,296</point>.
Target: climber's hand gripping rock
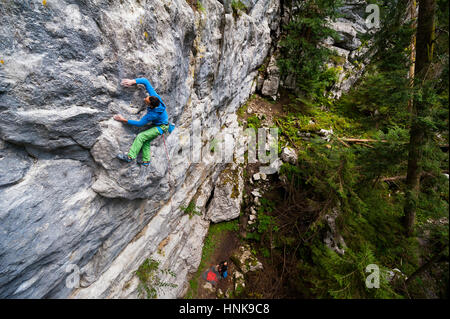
<point>128,82</point>
<point>120,118</point>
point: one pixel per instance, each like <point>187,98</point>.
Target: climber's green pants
<point>142,141</point>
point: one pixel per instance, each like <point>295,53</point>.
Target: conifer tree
<point>424,56</point>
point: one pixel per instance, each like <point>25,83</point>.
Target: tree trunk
<point>413,9</point>
<point>424,55</point>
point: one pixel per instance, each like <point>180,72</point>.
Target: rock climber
<point>222,269</point>
<point>156,115</point>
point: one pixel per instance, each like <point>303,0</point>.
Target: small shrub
<point>190,209</point>
<point>266,223</point>
<point>200,7</point>
<point>254,122</point>
<point>238,7</point>
<point>149,281</point>
<point>213,144</point>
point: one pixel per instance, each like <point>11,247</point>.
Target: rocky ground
<point>242,263</point>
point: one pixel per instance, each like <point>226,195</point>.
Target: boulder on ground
<point>245,260</point>
<point>289,155</point>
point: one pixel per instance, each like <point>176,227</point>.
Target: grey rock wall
<point>351,53</point>
<point>65,200</point>
<point>350,56</point>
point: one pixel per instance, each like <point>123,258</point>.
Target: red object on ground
<point>211,276</point>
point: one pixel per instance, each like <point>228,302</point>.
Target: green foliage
<point>380,99</point>
<point>344,277</point>
<point>382,96</point>
<point>370,215</point>
<point>149,278</point>
<point>292,173</point>
<point>387,157</point>
<point>363,182</point>
<point>196,5</point>
<point>301,54</point>
<point>254,122</point>
<point>238,7</point>
<point>434,197</point>
<point>266,205</point>
<point>265,252</point>
<point>214,143</point>
<point>266,223</point>
<point>303,118</point>
<point>370,210</point>
<point>190,209</point>
<point>200,6</point>
<point>242,110</point>
<point>239,291</point>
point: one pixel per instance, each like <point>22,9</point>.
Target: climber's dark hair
<point>154,101</point>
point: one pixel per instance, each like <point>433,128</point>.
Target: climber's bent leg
<point>146,147</point>
<point>146,152</point>
<point>139,141</point>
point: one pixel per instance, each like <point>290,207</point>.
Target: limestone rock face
<point>271,84</point>
<point>14,164</point>
<point>67,203</point>
<point>350,53</point>
<point>226,202</point>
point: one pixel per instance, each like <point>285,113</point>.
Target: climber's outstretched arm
<point>139,123</point>
<point>144,81</point>
<point>146,119</point>
<point>147,85</point>
<point>151,91</point>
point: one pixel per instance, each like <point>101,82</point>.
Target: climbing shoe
<point>124,157</point>
<point>144,163</point>
<point>148,166</point>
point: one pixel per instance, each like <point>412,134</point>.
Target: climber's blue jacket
<point>158,115</point>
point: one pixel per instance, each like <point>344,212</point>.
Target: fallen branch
<point>362,140</point>
<point>341,141</point>
<point>364,144</point>
<point>400,177</point>
<point>392,179</point>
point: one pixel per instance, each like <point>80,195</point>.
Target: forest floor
<point>229,242</point>
<point>220,243</point>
